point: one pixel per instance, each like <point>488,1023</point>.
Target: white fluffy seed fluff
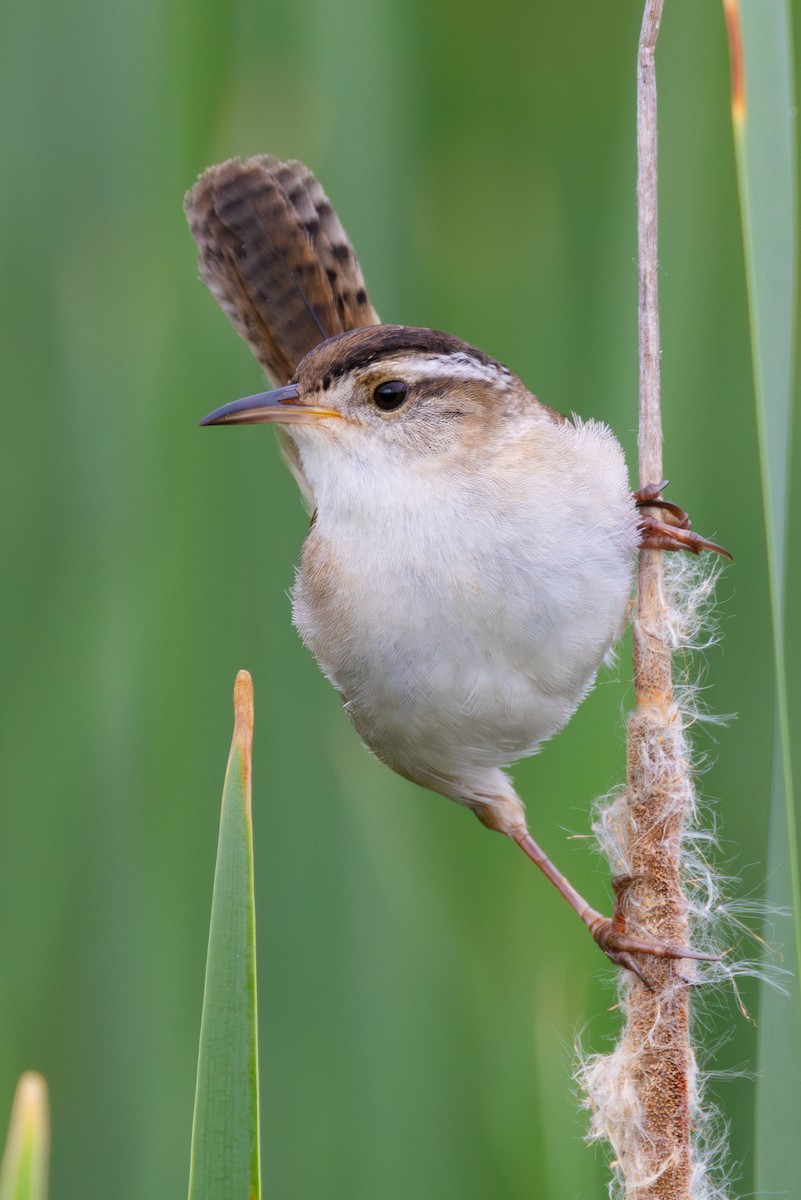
<point>609,1081</point>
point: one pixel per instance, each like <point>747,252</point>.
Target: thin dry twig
<point>659,788</point>
<point>643,1093</point>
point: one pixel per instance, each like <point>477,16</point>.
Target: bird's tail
<point>274,254</point>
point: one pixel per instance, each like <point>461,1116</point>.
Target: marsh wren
<point>471,552</point>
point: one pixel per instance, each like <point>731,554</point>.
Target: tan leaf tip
<point>31,1093</point>
<point>243,707</point>
<point>731,10</point>
<point>28,1125</point>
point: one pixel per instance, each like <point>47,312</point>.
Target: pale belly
<point>457,660</point>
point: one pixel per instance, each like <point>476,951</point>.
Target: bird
<point>469,563</point>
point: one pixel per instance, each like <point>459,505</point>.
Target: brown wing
<point>274,254</point>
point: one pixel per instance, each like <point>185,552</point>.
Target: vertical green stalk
<point>225,1133</point>
<point>760,41</point>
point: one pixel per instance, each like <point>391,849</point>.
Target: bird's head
<point>390,392</point>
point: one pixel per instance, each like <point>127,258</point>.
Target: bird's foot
<point>671,530</point>
<point>620,947</point>
<point>609,932</point>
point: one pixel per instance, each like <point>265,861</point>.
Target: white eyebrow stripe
<point>418,368</point>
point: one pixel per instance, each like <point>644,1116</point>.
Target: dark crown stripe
<point>359,347</point>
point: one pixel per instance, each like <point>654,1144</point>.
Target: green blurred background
<point>421,987</point>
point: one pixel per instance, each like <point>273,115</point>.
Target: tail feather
<point>274,254</point>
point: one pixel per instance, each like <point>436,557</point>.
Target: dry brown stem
<point>645,1095</point>
<point>656,1039</point>
<point>642,1093</point>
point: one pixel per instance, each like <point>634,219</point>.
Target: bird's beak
<point>281,406</point>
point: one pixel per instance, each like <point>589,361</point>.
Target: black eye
<point>391,394</point>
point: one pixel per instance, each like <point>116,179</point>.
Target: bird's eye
<point>391,394</point>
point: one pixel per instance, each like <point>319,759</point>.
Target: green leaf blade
<point>763,107</point>
<point>767,172</point>
<point>225,1158</point>
<point>23,1175</point>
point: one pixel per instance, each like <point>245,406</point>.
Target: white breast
<point>463,615</point>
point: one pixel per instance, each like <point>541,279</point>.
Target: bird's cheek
<point>313,433</point>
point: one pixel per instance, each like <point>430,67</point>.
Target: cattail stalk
<point>659,786</point>
<point>643,1093</point>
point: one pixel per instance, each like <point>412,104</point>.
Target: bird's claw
<point>620,947</point>
<point>671,530</point>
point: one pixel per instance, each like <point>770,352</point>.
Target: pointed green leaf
<point>24,1172</point>
<point>225,1133</point>
<point>763,109</point>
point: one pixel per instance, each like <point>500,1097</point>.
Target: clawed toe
<point>671,530</point>
<point>610,933</point>
<point>619,946</point>
<point>650,497</point>
<point>664,535</point>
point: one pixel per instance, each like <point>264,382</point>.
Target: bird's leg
<point>609,933</point>
<point>671,530</point>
